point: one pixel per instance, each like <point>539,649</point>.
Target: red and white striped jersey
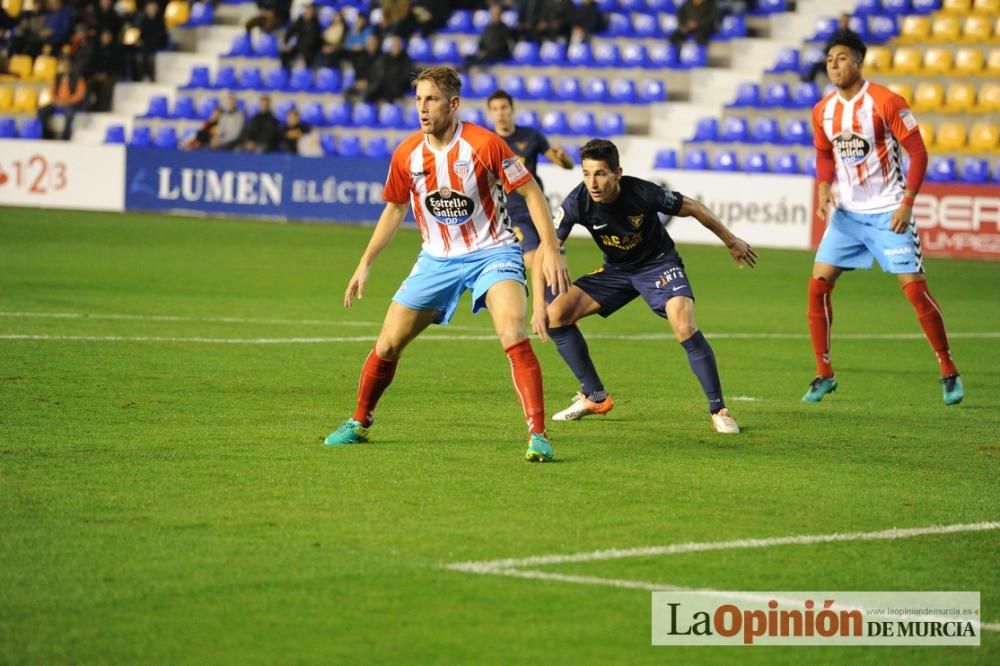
<point>864,134</point>
<point>458,193</point>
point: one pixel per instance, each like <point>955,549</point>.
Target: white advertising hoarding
<point>765,210</point>
<point>57,174</point>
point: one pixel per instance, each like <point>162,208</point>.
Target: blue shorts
<point>853,240</point>
<point>526,234</point>
<point>656,281</point>
<point>437,284</point>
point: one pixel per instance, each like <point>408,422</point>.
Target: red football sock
<point>376,375</point>
<point>820,322</point>
<point>929,314</point>
<point>528,382</point>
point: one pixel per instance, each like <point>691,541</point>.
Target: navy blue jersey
<point>527,144</point>
<point>628,231</point>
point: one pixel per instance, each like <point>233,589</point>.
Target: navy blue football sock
<point>702,362</point>
<point>573,348</point>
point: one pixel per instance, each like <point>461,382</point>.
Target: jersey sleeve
<point>898,116</point>
<point>820,140</point>
<point>668,201</point>
<point>543,144</point>
<point>397,183</point>
<point>565,217</point>
<point>502,161</point>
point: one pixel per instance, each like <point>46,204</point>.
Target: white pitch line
<point>488,566</point>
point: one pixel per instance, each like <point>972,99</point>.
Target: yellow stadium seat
<point>130,37</point>
<point>928,96</point>
<point>989,98</point>
<point>20,66</point>
<point>12,7</point>
<point>878,59</point>
<point>44,68</point>
<point>938,60</point>
<point>906,60</point>
<point>25,100</point>
<point>984,137</point>
<point>914,29</point>
<point>969,61</point>
<point>956,6</point>
<point>950,136</point>
<point>904,90</point>
<point>6,97</point>
<point>960,98</point>
<point>176,13</point>
<point>927,133</point>
<point>977,28</point>
<point>992,63</point>
<point>990,7</point>
<point>946,28</point>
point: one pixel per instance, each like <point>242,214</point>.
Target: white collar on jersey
<point>864,88</point>
<point>454,140</point>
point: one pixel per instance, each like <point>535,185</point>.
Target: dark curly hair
<point>851,40</point>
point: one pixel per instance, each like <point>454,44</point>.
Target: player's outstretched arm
<point>738,248</point>
<point>388,224</point>
<point>553,263</point>
<point>558,155</point>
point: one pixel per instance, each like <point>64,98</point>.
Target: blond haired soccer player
<point>859,128</point>
<point>454,174</point>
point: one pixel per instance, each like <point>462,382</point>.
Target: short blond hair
<point>445,78</point>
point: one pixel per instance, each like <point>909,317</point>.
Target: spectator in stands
<point>394,15</point>
<point>69,95</point>
<point>495,42</point>
<point>292,132</point>
<point>203,137</point>
<point>557,20</point>
<point>106,18</point>
<point>262,133</point>
<point>529,15</point>
<point>152,39</point>
<point>304,38</point>
<point>106,69</point>
<point>587,21</point>
<point>819,67</point>
<point>271,15</point>
<point>57,26</point>
<point>364,64</point>
<point>229,129</point>
<point>696,18</point>
<point>391,74</point>
<point>356,40</point>
<point>425,17</point>
<point>332,50</point>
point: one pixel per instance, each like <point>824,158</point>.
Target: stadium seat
<point>975,170</point>
<point>938,60</point>
<point>595,91</point>
<point>693,55</point>
<point>732,26</point>
<point>611,124</point>
<point>158,107</point>
<point>251,79</point>
<point>312,114</point>
<point>349,146</point>
<point>514,84</point>
<point>377,147</point>
<point>480,19</point>
<point>950,137</point>
<point>766,7</point>
<point>666,158</point>
<point>445,52</point>
<point>927,133</point>
<point>928,96</point>
<point>696,160</point>
<point>706,129</point>
<point>726,161</point>
<point>538,88</point>
<point>765,130</point>
<point>200,78</point>
<point>969,61</point>
<point>926,6</point>
<point>582,123</point>
<point>906,60</point>
<point>364,115</point>
<point>8,128</point>
<point>206,105</point>
<point>946,28</point>
<point>617,25</point>
<point>735,129</point>
<point>881,29</point>
<point>956,6</point>
<point>896,7</point>
<point>240,46</point>
<point>6,98</point>
<point>461,22</point>
<point>652,91</point>
<point>327,80</point>
<point>984,137</point>
<point>960,98</point>
<point>579,55</point>
<point>634,55</point>
<point>339,114</point>
<point>300,80</point>
<point>225,78</point>
<point>552,54</point>
<point>825,27</point>
<point>184,109</point>
<point>868,7</point>
<point>756,162</point>
<point>977,29</point>
<point>787,61</point>
<point>622,91</point>
<point>797,132</point>
<point>202,13</point>
<point>166,138</point>
<point>554,122</point>
<point>282,108</point>
<point>645,26</point>
<point>44,68</point>
<point>482,85</point>
<point>142,137</point>
<point>265,45</point>
<point>989,98</point>
<point>176,13</point>
<point>942,170</point>
<point>526,54</point>
<point>989,7</point>
<point>747,96</point>
<point>662,56</point>
<point>419,49</point>
<point>904,90</point>
<point>473,115</point>
<point>526,118</point>
<point>411,118</point>
<point>805,95</point>
<point>993,62</point>
<point>20,66</point>
<point>606,55</point>
<point>25,100</point>
<point>31,128</point>
<point>914,29</point>
<point>786,163</point>
<point>568,90</point>
<point>809,164</point>
<point>878,59</point>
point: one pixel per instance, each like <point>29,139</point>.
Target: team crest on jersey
<point>635,221</point>
<point>462,168</point>
<point>852,148</point>
<point>521,145</point>
<point>449,207</point>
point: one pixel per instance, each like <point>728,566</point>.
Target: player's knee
<point>684,330</point>
<point>511,335</point>
<point>559,317</point>
<point>388,349</point>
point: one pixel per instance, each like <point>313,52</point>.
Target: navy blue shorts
<point>524,229</point>
<point>656,281</point>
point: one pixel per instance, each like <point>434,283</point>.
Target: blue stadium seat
<point>480,19</point>
<point>526,54</point>
<point>645,26</point>
<point>112,133</point>
<point>706,129</point>
<point>473,115</point>
<point>328,144</point>
<point>667,24</point>
<point>349,146</point>
<point>634,55</point>
<point>786,163</point>
<point>411,118</point>
<point>732,26</point>
<point>568,89</point>
<point>747,96</point>
<point>266,45</point>
<point>787,61</point>
<point>325,15</point>
<point>166,138</point>
<point>419,49</point>
<point>657,6</point>
<point>445,52</point>
<point>825,27</point>
<point>282,108</point>
<point>327,80</point>
<point>276,79</point>
<point>859,24</point>
<point>756,162</point>
<point>579,55</point>
<point>538,88</point>
<point>552,53</point>
<point>312,114</point>
<point>595,91</point>
<point>622,91</point>
<point>666,158</point>
<point>606,54</point>
<point>735,129</point>
<point>554,122</point>
<point>805,95</point>
<point>651,91</point>
<point>607,5</point>
<point>200,78</point>
<point>300,80</point>
<point>776,95</point>
<point>206,105</point>
<point>378,147</point>
<point>460,22</point>
<point>631,5</point>
<point>618,25</point>
<point>514,84</point>
<point>942,170</point>
<point>611,124</point>
<point>364,115</point>
<point>250,79</point>
<point>765,7</point>
<point>882,28</point>
<point>338,114</point>
<point>8,128</point>
<point>765,130</point>
<point>241,47</point>
<point>976,170</point>
<point>797,132</point>
<point>868,8</point>
<point>158,107</point>
<point>526,118</point>
<point>202,13</point>
<point>482,86</point>
<point>662,56</point>
<point>926,6</point>
<point>582,123</point>
<point>31,128</point>
<point>225,78</point>
<point>809,165</point>
<point>184,109</point>
<point>696,160</point>
<point>726,161</point>
<point>693,55</point>
<point>896,7</point>
<point>391,115</point>
<point>142,137</point>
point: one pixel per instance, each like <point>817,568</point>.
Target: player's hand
<point>562,157</point>
<point>901,219</point>
<point>824,203</point>
<point>556,271</point>
<point>356,287</point>
<point>540,321</point>
<point>743,253</point>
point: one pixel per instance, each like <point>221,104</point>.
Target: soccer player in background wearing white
<point>859,128</point>
<point>454,174</point>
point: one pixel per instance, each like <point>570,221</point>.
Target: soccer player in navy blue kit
<point>640,259</point>
<point>528,144</point>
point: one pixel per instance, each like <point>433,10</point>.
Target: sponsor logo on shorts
<point>513,267</point>
<point>449,207</point>
<point>668,276</point>
<point>893,251</point>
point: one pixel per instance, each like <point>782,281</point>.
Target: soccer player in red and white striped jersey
<point>859,130</point>
<point>455,175</point>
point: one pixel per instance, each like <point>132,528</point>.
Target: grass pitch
<point>166,385</point>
